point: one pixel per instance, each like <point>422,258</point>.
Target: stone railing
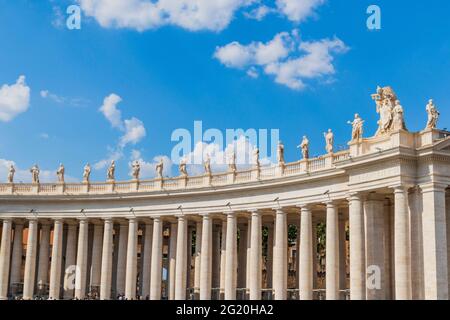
<point>325,162</point>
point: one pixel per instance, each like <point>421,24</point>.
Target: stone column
<point>82,255</point>
<point>280,256</point>
<point>71,256</point>
<point>248,245</point>
<point>223,253</point>
<point>342,254</point>
<point>402,245</point>
<point>148,235</point>
<point>107,260</point>
<point>5,252</point>
<point>417,263</point>
<point>242,256</point>
<point>189,257</point>
<point>172,259</point>
<point>269,261</point>
<point>55,267</point>
<point>332,252</point>
<point>314,253</point>
<point>30,260</point>
<point>375,273</point>
<point>96,259</point>
<point>197,258</point>
<point>206,258</point>
<point>156,263</point>
<point>447,215</point>
<point>357,248</point>
<point>122,259</point>
<point>131,265</point>
<point>16,263</point>
<point>255,256</point>
<point>387,250</point>
<point>306,254</point>
<point>434,242</point>
<point>181,259</point>
<point>216,258</point>
<point>44,252</point>
<point>230,260</point>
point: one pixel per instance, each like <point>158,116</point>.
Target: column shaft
<point>96,259</point>
<point>434,242</point>
<point>223,252</point>
<point>230,260</point>
<point>306,254</point>
<point>16,263</point>
<point>242,256</point>
<point>30,260</point>
<point>280,256</point>
<point>44,252</point>
<point>332,252</point>
<point>107,260</point>
<point>82,255</point>
<point>5,252</point>
<point>70,265</point>
<point>197,256</point>
<point>402,245</point>
<point>172,259</point>
<point>55,267</point>
<point>357,249</point>
<point>122,259</point>
<point>156,263</point>
<point>181,260</point>
<point>206,259</point>
<point>131,265</point>
<point>255,257</point>
<point>148,235</point>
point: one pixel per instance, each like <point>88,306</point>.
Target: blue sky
<point>168,74</point>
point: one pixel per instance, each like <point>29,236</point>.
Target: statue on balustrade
<point>280,153</point>
<point>304,146</point>
<point>433,115</point>
<point>35,174</point>
<point>385,101</point>
<point>182,168</point>
<point>207,166</point>
<point>256,158</point>
<point>160,168</point>
<point>11,174</point>
<point>111,170</point>
<point>357,128</point>
<point>86,172</point>
<point>232,162</point>
<point>60,173</point>
<point>136,169</point>
<point>398,121</point>
<point>329,141</point>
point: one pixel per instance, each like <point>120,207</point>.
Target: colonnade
<point>391,234</point>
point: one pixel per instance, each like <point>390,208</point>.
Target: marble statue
<point>385,101</point>
<point>433,115</point>
<point>329,140</point>
<point>207,165</point>
<point>35,174</point>
<point>304,146</point>
<point>232,162</point>
<point>357,127</point>
<point>86,172</point>
<point>111,170</point>
<point>11,174</point>
<point>60,173</point>
<point>256,158</point>
<point>182,168</point>
<point>280,153</point>
<point>160,168</point>
<point>136,169</point>
<point>398,121</point>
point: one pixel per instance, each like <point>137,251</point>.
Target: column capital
<point>332,203</point>
<point>305,207</point>
<point>255,212</point>
<point>401,188</point>
<point>279,210</point>
<point>433,186</point>
<point>354,195</point>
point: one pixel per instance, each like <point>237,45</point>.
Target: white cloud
<point>134,131</point>
<point>44,135</point>
<point>285,57</point>
<point>110,110</point>
<point>58,18</point>
<point>259,12</point>
<point>75,102</point>
<point>14,99</point>
<point>193,15</point>
<point>298,10</point>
